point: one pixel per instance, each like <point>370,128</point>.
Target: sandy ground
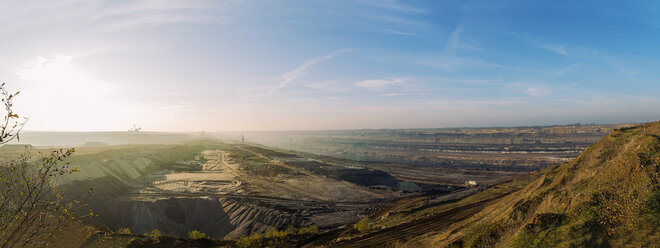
<point>218,176</point>
<point>304,185</point>
<point>221,176</point>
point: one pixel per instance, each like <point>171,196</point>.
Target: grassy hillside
<point>607,197</point>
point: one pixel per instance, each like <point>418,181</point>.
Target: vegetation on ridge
<point>607,197</point>
<point>32,208</point>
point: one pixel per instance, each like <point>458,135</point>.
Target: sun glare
<point>58,83</point>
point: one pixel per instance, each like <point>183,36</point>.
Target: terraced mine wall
<point>217,217</point>
<point>519,149</point>
<point>364,177</point>
<point>111,185</point>
<point>230,190</point>
<point>219,189</point>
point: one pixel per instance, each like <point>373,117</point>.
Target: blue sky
<point>291,65</point>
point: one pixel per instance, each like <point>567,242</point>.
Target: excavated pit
<point>184,188</point>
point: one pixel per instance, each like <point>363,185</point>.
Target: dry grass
<point>607,197</point>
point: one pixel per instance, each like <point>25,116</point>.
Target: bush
<point>155,234</point>
<point>309,230</point>
<point>124,231</point>
<point>253,240</point>
<point>274,233</point>
<point>276,236</point>
<point>280,236</point>
<point>364,225</point>
<point>194,234</point>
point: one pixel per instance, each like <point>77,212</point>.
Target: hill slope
<point>607,197</point>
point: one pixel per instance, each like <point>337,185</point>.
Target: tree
<point>12,124</point>
<point>32,208</point>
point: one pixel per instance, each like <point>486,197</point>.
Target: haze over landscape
<point>300,65</point>
<point>247,124</point>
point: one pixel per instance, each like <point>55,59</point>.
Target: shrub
<point>274,233</point>
<point>364,225</point>
<point>276,237</point>
<point>194,234</point>
<point>124,231</point>
<point>253,240</point>
<point>155,234</point>
<point>280,236</point>
<point>309,230</point>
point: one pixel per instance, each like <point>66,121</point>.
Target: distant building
<point>135,129</point>
<point>471,183</point>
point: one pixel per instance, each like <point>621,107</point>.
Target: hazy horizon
<point>190,66</point>
<point>343,129</point>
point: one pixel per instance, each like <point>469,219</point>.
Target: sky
<point>95,65</point>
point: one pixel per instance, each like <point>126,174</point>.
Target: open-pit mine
<point>228,188</point>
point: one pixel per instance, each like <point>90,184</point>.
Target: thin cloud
<point>453,42</point>
<point>533,89</point>
<point>451,63</point>
<point>378,84</point>
<point>450,58</point>
<point>401,22</point>
<point>562,71</point>
<point>157,19</point>
<point>458,104</point>
<point>558,49</point>
<point>394,6</point>
<point>537,92</point>
<point>397,32</point>
<point>457,41</point>
<point>582,52</point>
<point>335,86</point>
<point>152,13</point>
<point>465,81</point>
<point>301,70</point>
<point>150,5</point>
<point>570,51</point>
<point>109,15</point>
